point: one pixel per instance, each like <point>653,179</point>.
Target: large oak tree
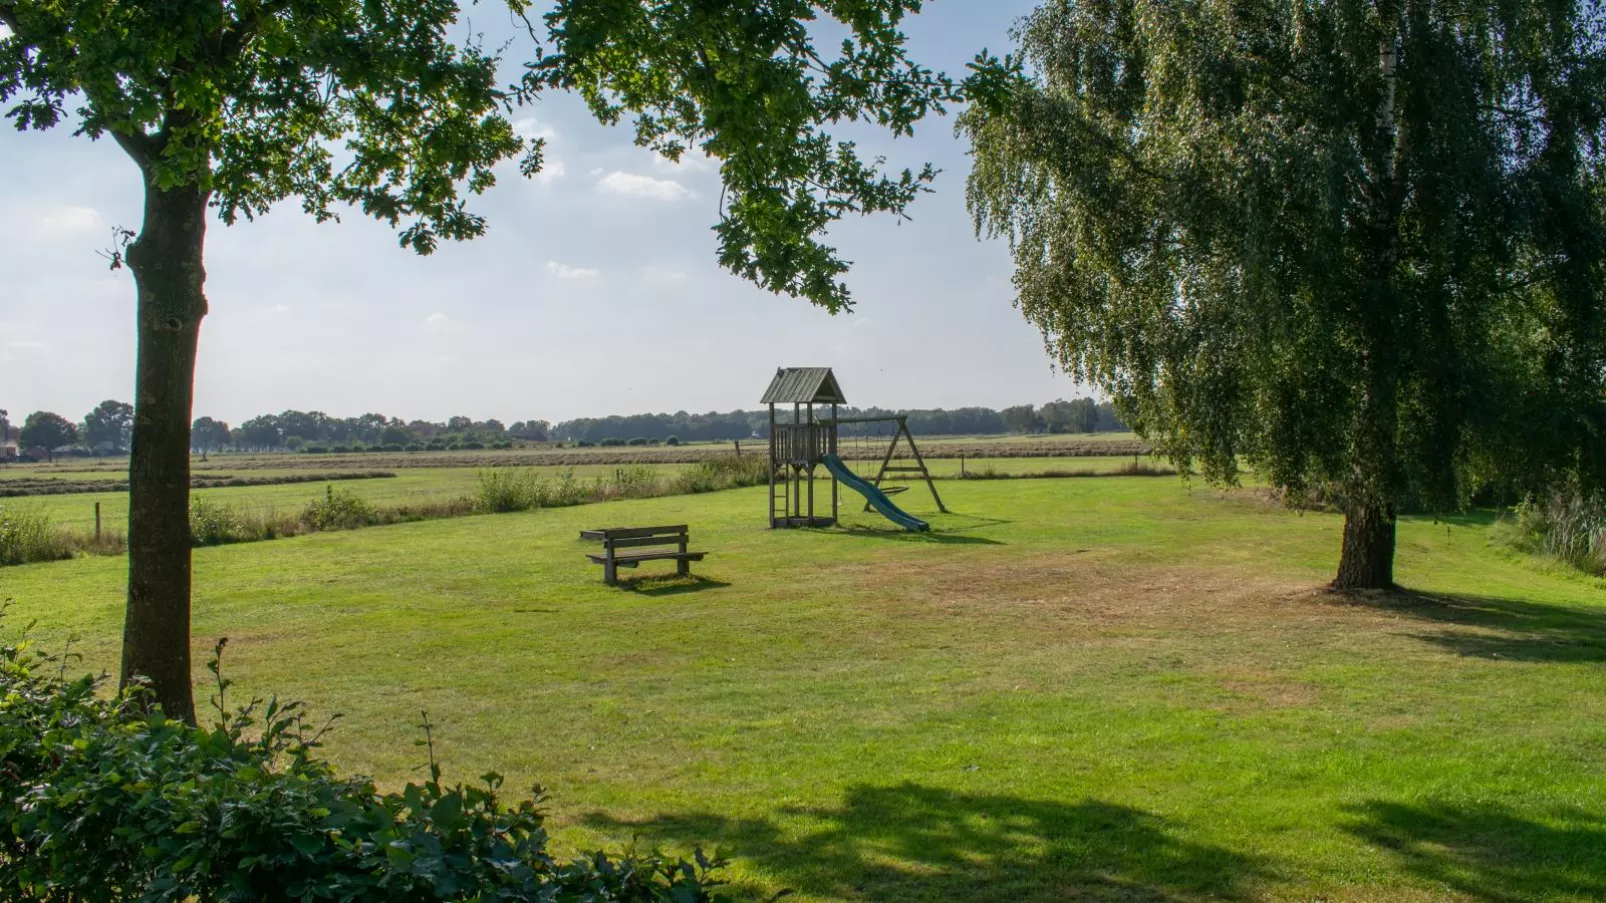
<point>1358,245</point>
<point>237,105</point>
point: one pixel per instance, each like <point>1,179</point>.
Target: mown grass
<point>1073,689</point>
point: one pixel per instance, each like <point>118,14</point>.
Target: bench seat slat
<point>630,558</point>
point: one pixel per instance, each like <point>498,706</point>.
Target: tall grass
<point>27,536</point>
<point>1566,524</point>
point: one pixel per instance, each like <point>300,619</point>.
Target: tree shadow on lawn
<point>1488,853</point>
<point>913,842</point>
<point>1504,628</point>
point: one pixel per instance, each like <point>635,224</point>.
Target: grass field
<point>1107,689</point>
<point>418,485</point>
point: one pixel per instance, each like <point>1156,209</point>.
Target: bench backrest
<point>627,537</point>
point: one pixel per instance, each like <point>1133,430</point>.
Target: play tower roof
<point>803,385</point>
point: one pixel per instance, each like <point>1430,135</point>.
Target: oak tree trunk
<point>166,260</point>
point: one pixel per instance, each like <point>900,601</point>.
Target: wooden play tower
<point>799,447</point>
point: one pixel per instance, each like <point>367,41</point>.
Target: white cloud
<point>664,275</point>
<point>631,185</point>
<point>693,160</point>
<point>533,129</point>
<point>551,171</point>
<point>436,322</point>
<point>564,271</point>
<point>70,219</point>
<point>26,346</point>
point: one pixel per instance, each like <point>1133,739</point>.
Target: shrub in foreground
<point>100,801</point>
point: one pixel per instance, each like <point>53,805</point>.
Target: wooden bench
<point>626,547</point>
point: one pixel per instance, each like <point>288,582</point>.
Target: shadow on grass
<point>949,535</point>
<point>913,842</point>
<point>659,585</point>
<point>1489,853</point>
<point>1489,627</point>
<point>937,537</point>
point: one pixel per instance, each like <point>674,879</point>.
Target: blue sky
<point>595,292</point>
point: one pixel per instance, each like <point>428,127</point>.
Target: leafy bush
<point>471,445</point>
<point>1566,524</point>
<point>725,472</point>
<point>637,481</point>
<point>316,449</point>
<point>584,443</point>
<point>504,489</point>
<point>414,447</point>
<point>27,536</point>
<point>672,440</point>
<point>339,510</point>
<point>104,802</point>
<point>612,442</point>
<point>214,524</point>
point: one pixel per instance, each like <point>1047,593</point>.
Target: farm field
<point>1107,689</point>
<point>419,485</point>
<point>1064,445</point>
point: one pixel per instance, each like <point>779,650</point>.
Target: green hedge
<point>101,801</point>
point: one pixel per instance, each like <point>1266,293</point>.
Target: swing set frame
<point>797,449</point>
<point>887,466</point>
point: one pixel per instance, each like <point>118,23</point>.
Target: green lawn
<point>1109,689</point>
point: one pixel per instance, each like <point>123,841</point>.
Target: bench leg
<point>682,568</point>
<point>610,571</point>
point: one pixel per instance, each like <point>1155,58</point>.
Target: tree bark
<point>166,260</point>
<point>1367,561</point>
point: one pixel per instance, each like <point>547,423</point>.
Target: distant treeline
<point>106,429</point>
<point>1083,415</point>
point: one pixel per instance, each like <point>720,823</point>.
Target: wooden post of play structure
<point>831,449</point>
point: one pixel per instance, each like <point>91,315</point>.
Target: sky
<point>595,291</point>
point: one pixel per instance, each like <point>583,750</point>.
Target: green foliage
<point>27,536</point>
<point>250,102</point>
<point>214,524</point>
<point>103,802</point>
<point>725,472</point>
<point>503,489</point>
<point>47,430</point>
<point>339,510</point>
<point>1342,242</point>
<point>1567,524</point>
<point>111,424</point>
<point>746,84</point>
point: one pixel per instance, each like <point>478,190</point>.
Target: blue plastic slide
<point>877,499</point>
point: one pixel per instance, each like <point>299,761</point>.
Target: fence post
<point>961,465</point>
<point>97,523</point>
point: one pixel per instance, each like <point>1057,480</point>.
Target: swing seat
<point>893,490</point>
